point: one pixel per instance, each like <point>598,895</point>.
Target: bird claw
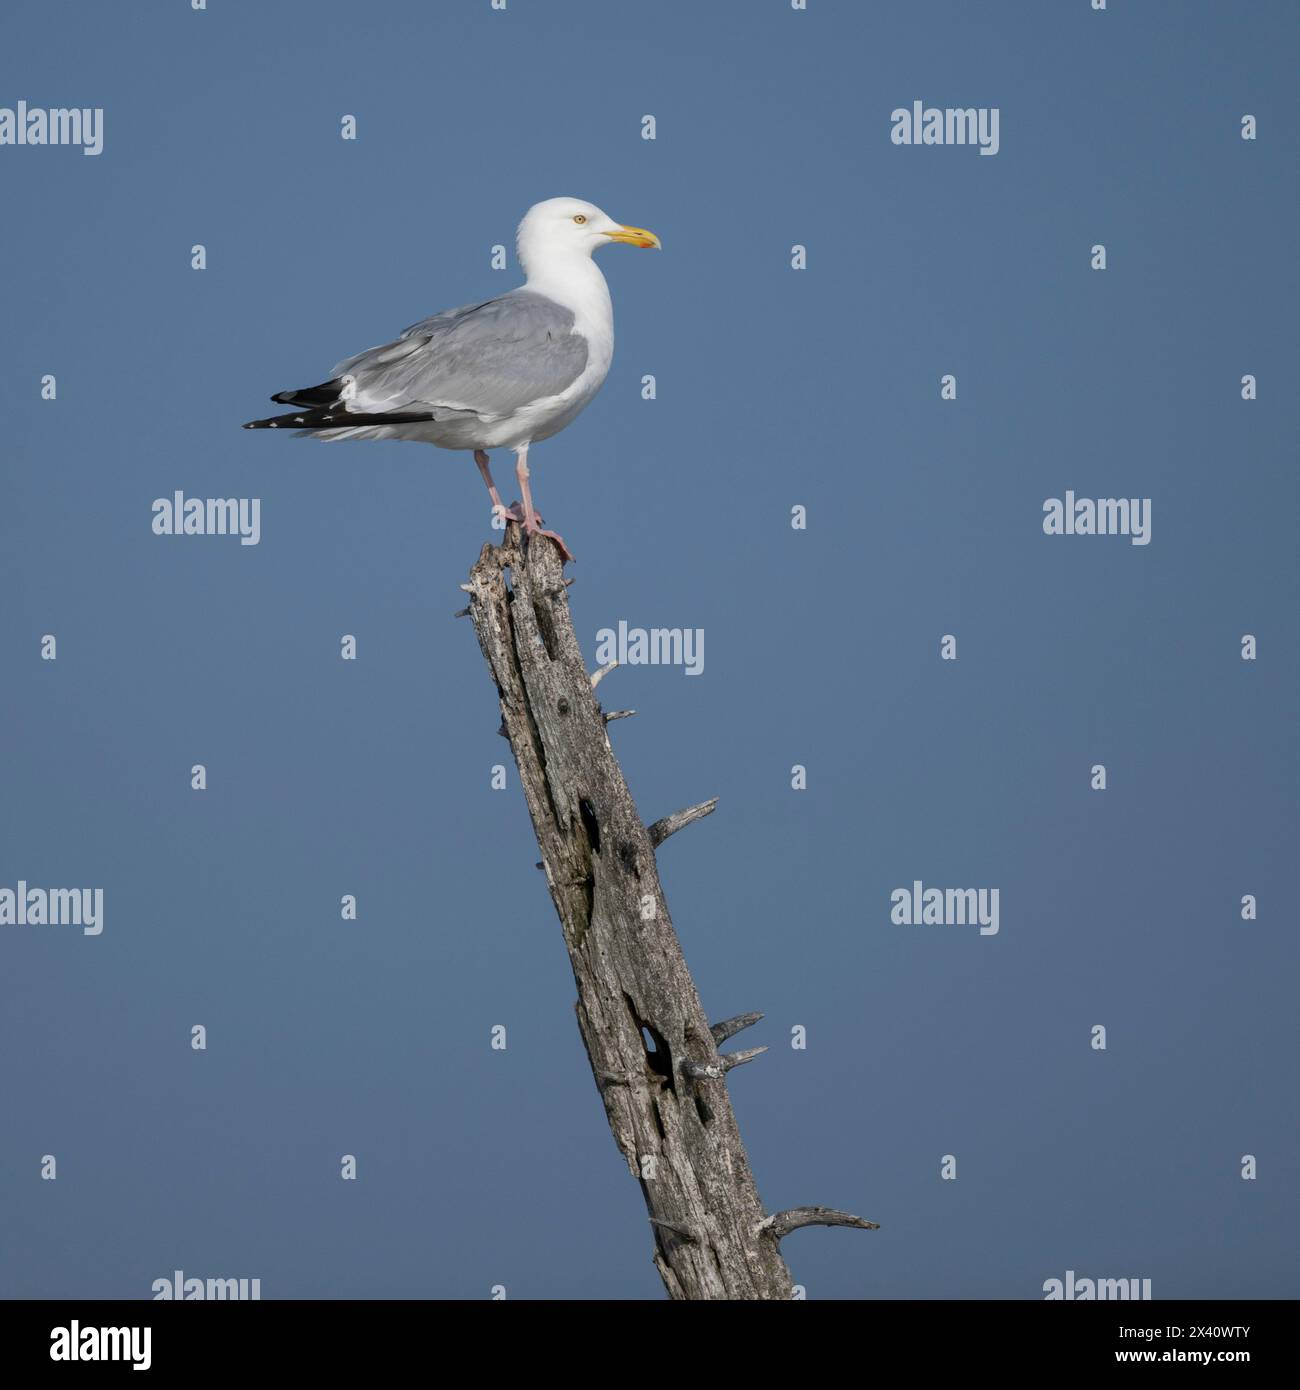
<point>511,513</point>
<point>566,555</point>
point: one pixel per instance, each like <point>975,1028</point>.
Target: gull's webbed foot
<point>533,527</point>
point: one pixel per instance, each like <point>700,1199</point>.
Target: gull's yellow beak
<point>636,236</point>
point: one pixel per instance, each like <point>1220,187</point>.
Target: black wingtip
<point>314,397</point>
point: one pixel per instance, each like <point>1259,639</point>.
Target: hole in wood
<point>590,824</point>
<point>658,1056</point>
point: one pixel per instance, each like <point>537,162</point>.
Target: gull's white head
<point>564,229</point>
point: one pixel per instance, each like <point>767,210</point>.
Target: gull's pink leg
<point>532,522</point>
<point>513,513</point>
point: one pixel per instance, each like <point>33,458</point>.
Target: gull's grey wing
<point>490,359</point>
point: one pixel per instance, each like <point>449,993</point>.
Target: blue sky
<point>775,388</point>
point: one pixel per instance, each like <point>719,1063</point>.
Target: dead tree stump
<point>653,1053</point>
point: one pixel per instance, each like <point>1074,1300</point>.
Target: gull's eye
<point>580,218</point>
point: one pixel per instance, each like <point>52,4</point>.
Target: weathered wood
<point>679,820</point>
<point>653,1054</point>
<point>729,1027</point>
<point>781,1223</point>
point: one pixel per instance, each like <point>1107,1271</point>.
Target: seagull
<point>502,373</point>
